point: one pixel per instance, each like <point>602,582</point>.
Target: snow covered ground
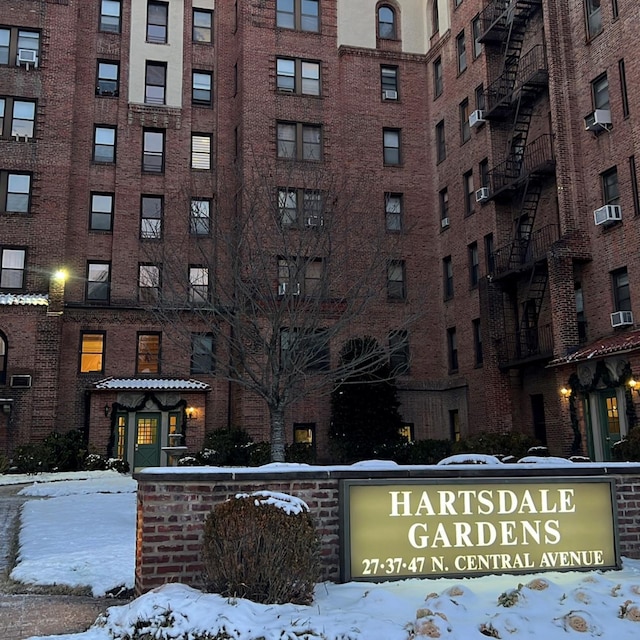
<point>83,533</point>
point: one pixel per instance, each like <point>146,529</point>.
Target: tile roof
<point>35,299</point>
<point>603,347</point>
<point>156,384</point>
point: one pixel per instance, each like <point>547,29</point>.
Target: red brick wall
<point>172,508</point>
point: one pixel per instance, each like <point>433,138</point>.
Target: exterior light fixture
<point>634,385</point>
<point>107,410</point>
<point>565,392</point>
<point>60,275</point>
<point>191,413</point>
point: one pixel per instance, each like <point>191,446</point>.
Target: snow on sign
<point>475,527</point>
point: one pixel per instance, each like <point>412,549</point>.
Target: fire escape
<point>519,278</point>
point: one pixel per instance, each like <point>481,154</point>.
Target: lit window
<point>153,151</point>
<point>200,217</point>
<point>110,15</point>
<point>202,26</point>
<point>200,151</point>
<point>92,352</point>
<point>157,19</point>
<point>107,81</point>
<point>12,268</point>
<point>101,218</point>
<point>98,281</point>
<point>104,144</point>
<point>151,209</point>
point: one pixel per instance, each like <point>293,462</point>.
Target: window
<point>15,192</point>
<point>469,193</point>
<point>477,32</point>
<point>452,349</point>
<point>298,76</point>
<point>614,8</point>
<point>157,20</point>
<point>148,353</point>
<point>201,88</point>
<point>12,267</point>
<point>386,23</point>
<point>202,26</point>
<point>22,121</point>
<point>151,212</point>
<point>110,15</point>
<point>593,17</point>
<point>92,348</point>
<point>447,277</point>
<point>155,83</point>
<point>396,289</point>
<point>104,144</point>
<point>98,281</point>
<point>305,349</point>
<point>153,151</point>
<point>3,358</point>
<point>441,149</point>
<point>407,432</point>
<point>393,211</point>
<point>634,185</point>
<point>483,169</point>
<point>477,342</point>
<point>148,283</point>
<point>444,207</point>
<point>101,216</point>
<point>200,217</point>
<point>107,78</point>
<point>304,433</point>
<point>489,251</point>
<point>610,188</point>
<point>600,92</point>
<point>399,357</point>
<point>480,97</point>
<point>391,146</point>
<point>461,52</point>
<point>5,41</point>
<point>474,265</point>
<point>623,88</point>
<point>300,276</point>
<point>437,77</point>
<point>581,318</point>
<point>298,141</point>
<point>435,18</point>
<point>302,15</point>
<point>454,425</point>
<point>300,204</point>
<point>288,206</point>
<point>201,151</point>
<point>202,353</point>
<point>465,129</point>
<point>457,3</point>
<point>621,293</point>
<point>389,82</point>
<point>19,46</point>
<point>198,285</point>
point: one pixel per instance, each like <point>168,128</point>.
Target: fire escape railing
<point>521,253</point>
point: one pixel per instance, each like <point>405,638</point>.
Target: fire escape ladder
<point>521,249</point>
<point>529,340</point>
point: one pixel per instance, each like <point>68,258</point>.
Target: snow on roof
<point>602,347</point>
<point>25,299</point>
<point>289,504</point>
<point>470,458</point>
<point>165,384</point>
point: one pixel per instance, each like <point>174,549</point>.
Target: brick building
<point>493,147</point>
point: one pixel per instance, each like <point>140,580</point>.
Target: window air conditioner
<point>389,94</point>
<point>27,56</point>
<point>608,213</point>
<point>621,318</point>
<point>482,194</point>
<point>315,221</point>
<point>21,381</point>
<point>444,223</point>
<point>598,120</point>
<point>476,118</point>
<point>284,288</point>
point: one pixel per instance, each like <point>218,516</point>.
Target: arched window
<point>386,22</point>
<point>435,18</point>
<point>3,359</point>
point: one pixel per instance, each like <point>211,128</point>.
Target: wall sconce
<point>107,410</point>
<point>6,408</point>
<point>565,392</point>
<point>191,413</point>
<point>634,385</point>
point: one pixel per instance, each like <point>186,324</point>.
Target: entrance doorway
<point>610,427</point>
<point>147,440</point>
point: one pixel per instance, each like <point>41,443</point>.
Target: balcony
<point>523,347</point>
<point>527,79</point>
<point>537,160</point>
<point>499,14</point>
<point>522,253</point>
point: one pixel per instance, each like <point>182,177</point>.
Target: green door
<point>609,421</point>
<point>147,443</point>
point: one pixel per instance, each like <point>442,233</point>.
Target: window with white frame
<point>201,151</point>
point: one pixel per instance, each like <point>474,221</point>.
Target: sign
<point>428,528</point>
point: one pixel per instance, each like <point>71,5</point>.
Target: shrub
<point>300,452</point>
<point>226,447</point>
<point>496,444</point>
<point>118,464</point>
<point>4,463</point>
<point>254,549</point>
<point>628,450</point>
<point>31,459</point>
<point>95,462</point>
<point>57,452</point>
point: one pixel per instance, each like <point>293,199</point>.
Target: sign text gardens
<point>463,527</point>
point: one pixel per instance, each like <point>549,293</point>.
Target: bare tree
<point>280,274</point>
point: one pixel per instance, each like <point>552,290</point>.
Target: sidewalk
<point>31,614</point>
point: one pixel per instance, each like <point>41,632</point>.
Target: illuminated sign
<point>427,528</point>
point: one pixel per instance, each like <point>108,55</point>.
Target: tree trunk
<point>278,440</point>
